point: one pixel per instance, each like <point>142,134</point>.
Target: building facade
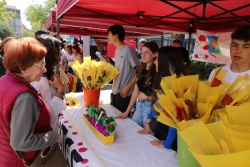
<point>15,22</point>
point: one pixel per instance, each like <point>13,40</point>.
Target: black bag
<point>53,158</point>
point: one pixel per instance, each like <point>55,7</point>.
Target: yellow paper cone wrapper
<point>174,86</point>
<point>239,115</point>
<point>185,82</point>
<point>240,145</point>
<point>200,140</point>
<point>205,91</point>
<point>163,118</point>
<point>202,108</point>
<point>237,134</point>
<point>224,147</point>
<point>239,128</point>
<point>205,118</point>
<point>166,81</point>
<point>239,159</point>
<point>219,73</point>
<point>219,132</point>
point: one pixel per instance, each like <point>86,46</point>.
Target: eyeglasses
<point>42,66</point>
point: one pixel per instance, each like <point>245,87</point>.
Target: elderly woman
<point>24,115</point>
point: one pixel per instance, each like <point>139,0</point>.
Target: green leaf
<point>3,13</point>
<point>37,14</point>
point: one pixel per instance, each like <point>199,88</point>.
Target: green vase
<point>185,158</point>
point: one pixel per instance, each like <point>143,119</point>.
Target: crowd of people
<point>139,85</point>
<point>31,91</point>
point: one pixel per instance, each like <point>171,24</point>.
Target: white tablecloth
<point>130,149</point>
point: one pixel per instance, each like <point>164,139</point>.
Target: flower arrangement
<point>94,75</point>
<point>186,100</point>
<point>211,117</point>
<point>98,118</point>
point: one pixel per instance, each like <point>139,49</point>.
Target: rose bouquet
<point>94,75</point>
<point>190,105</point>
<point>186,100</point>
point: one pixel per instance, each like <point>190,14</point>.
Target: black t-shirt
<point>141,84</point>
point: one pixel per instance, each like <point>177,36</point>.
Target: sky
<point>22,5</point>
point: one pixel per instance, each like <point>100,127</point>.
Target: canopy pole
<point>190,31</point>
<point>162,39</point>
<point>58,27</point>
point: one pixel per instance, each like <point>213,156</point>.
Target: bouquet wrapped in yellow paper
<point>186,100</point>
<point>94,75</point>
<point>182,102</point>
<point>217,145</point>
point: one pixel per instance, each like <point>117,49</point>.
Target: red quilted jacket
<point>11,87</point>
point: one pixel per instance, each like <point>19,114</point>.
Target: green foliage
<point>3,13</point>
<point>203,68</point>
<point>6,30</point>
<point>37,14</point>
<point>28,34</point>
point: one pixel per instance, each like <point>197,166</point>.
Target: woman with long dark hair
<point>143,88</point>
<point>168,62</point>
<point>78,54</point>
<point>50,85</point>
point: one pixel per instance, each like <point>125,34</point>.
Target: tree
<point>203,68</point>
<point>37,14</point>
<point>3,13</point>
<point>28,34</point>
<point>6,30</point>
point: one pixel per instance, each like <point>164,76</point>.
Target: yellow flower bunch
<point>94,75</point>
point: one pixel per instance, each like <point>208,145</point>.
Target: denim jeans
<point>141,112</point>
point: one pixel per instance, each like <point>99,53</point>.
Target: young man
<point>240,54</point>
<point>126,62</point>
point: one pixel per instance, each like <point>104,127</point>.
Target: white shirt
<point>55,104</point>
<point>230,76</point>
<point>70,58</point>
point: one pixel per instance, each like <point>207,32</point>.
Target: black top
<point>141,83</point>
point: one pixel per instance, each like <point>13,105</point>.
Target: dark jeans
<point>162,133</point>
<point>119,102</point>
